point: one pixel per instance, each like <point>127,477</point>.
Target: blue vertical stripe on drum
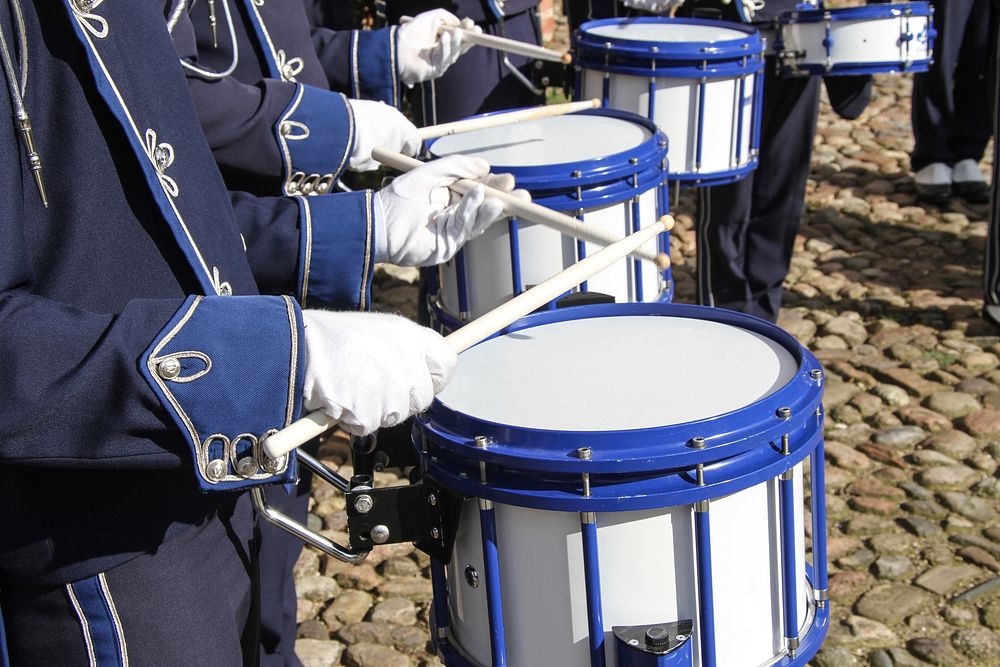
<point>706,603</point>
<point>758,83</point>
<point>99,621</point>
<point>439,586</point>
<point>789,572</point>
<point>636,263</point>
<point>494,599</point>
<point>699,134</point>
<point>651,104</point>
<point>606,90</point>
<point>592,578</point>
<point>461,285</point>
<point>581,253</point>
<point>739,120</point>
<point>818,508</point>
<point>515,257</point>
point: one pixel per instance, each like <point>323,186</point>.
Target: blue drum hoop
<point>539,468</point>
<point>877,11</point>
<point>601,181</point>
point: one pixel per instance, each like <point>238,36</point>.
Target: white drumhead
<point>546,141</point>
<point>667,31</point>
<point>617,373</point>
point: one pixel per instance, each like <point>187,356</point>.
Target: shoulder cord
<point>18,91</point>
<point>175,16</point>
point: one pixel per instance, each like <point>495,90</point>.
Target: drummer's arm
<point>360,63</point>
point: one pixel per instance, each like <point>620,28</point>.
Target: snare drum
<point>634,475</point>
<point>605,167</point>
<point>699,80</point>
<point>874,39</point>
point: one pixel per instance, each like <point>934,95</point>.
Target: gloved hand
<point>654,6</point>
<point>378,124</point>
<point>425,223</point>
<point>426,51</point>
<point>372,370</point>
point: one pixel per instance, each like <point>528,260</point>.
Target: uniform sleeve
<point>360,63</point>
<point>160,384</point>
<point>297,136</point>
<point>320,249</point>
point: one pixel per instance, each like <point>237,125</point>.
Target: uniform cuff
<point>337,252</point>
<point>229,371</point>
<point>316,136</point>
<point>374,66</point>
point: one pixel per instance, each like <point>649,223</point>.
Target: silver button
<point>84,5</point>
<point>291,187</point>
<point>286,129</point>
<point>169,368</point>
<point>225,290</point>
<point>216,470</point>
<point>274,465</point>
<point>247,467</point>
<point>161,157</point>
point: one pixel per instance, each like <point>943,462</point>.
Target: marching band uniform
<point>991,307</point>
<point>144,361</point>
<point>951,103</point>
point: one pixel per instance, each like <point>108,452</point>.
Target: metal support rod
<point>789,570</point>
<point>592,576</point>
<point>706,603</point>
<point>439,584</point>
<point>494,600</point>
<point>818,482</point>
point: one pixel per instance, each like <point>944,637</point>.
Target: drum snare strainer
<point>635,484</point>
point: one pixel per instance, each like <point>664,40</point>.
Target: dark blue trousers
<point>951,113</point>
<point>192,602</point>
<point>746,229</point>
<point>992,269</point>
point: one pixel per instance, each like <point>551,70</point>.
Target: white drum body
<point>648,573</point>
<point>547,156</point>
<point>873,39</point>
<point>707,108</point>
<point>574,381</point>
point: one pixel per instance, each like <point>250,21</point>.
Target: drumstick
<point>528,210</point>
<point>317,423</point>
<point>506,118</point>
<point>505,44</point>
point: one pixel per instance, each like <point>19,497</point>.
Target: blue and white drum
<point>605,167</point>
<point>627,466</point>
<point>699,80</point>
<point>874,39</point>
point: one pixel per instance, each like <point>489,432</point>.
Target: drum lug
<point>422,512</point>
<point>656,645</point>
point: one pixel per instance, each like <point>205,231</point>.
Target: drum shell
<point>704,96</point>
<point>618,194</point>
<point>874,39</point>
<point>645,500</point>
<point>647,574</point>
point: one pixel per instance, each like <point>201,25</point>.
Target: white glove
<point>372,370</point>
<point>654,6</point>
<point>423,223</point>
<point>426,51</point>
<point>378,124</point>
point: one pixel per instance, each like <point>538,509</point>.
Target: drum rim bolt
<point>784,413</point>
<point>816,374</point>
<point>471,576</point>
<point>697,442</point>
<point>380,534</point>
<point>584,453</point>
<point>363,504</point>
<point>481,441</point>
<point>576,173</point>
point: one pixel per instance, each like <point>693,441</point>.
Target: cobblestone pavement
<point>886,291</point>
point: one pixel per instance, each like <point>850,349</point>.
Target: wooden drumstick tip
<point>567,58</point>
<point>662,261</point>
<point>595,102</point>
<point>668,222</point>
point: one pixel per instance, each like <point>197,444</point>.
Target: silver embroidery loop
<point>203,459</point>
<point>92,23</point>
<point>259,3</point>
<point>233,455</point>
<point>289,67</point>
<point>293,130</point>
<point>162,156</point>
<point>221,288</point>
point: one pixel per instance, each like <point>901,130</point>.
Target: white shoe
<point>933,182</point>
<point>969,183</point>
